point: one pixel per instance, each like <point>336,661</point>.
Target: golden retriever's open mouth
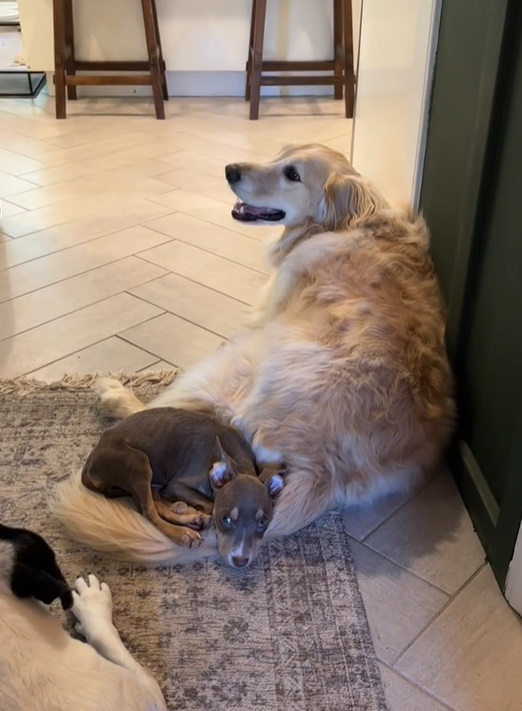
<point>248,213</point>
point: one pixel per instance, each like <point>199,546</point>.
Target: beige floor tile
<point>9,209</point>
<point>15,164</point>
<point>124,141</point>
<point>432,536</point>
<point>403,696</point>
<point>43,345</point>
<point>220,145</point>
<point>173,339</point>
<point>398,604</point>
<point>37,307</point>
<point>25,146</point>
<point>194,302</point>
<point>111,161</point>
<point>116,183</point>
<point>196,162</point>
<point>11,186</point>
<point>207,185</point>
<point>76,260</point>
<point>158,366</point>
<point>360,522</point>
<point>214,212</point>
<point>208,269</point>
<point>218,240</point>
<point>75,209</point>
<point>70,234</point>
<point>109,356</point>
<point>470,656</point>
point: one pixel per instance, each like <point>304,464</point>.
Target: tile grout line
<point>80,308</point>
<point>443,609</point>
<point>183,318</point>
<point>413,496</point>
<point>203,249</point>
<point>94,343</point>
<point>86,271</point>
<point>419,688</point>
<point>79,244</point>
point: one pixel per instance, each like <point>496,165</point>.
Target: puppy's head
<point>303,183</point>
<point>29,565</point>
<point>243,508</point>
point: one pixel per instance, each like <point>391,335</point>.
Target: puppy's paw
<point>92,605</point>
<point>191,539</point>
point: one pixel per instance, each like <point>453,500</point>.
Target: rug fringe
<point>144,380</point>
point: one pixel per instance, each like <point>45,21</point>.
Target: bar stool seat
<point>341,65</point>
<point>66,65</point>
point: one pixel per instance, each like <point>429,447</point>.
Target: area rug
<point>288,634</point>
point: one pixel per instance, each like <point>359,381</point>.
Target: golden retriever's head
<point>304,183</point>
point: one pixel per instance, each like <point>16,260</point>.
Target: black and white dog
<point>41,666</point>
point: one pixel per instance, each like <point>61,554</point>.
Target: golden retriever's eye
<point>292,174</point>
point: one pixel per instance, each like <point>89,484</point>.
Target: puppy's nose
<point>239,562</point>
<point>233,174</point>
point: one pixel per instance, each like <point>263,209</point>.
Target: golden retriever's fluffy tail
<point>115,528</point>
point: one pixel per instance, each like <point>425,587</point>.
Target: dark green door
<point>472,198</point>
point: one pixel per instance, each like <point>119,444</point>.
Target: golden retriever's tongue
<point>249,213</point>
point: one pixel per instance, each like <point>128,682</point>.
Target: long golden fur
<point>342,371</point>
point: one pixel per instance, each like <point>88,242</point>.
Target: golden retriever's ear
<point>346,198</point>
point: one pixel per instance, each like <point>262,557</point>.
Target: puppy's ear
<point>346,197</point>
<point>33,582</point>
<point>224,469</point>
<point>272,477</point>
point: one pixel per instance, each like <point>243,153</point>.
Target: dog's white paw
<point>92,605</point>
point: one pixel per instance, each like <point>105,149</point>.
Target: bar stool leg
<point>162,61</point>
<point>69,47</point>
<point>257,58</point>
<point>154,58</point>
<point>349,77</point>
<point>59,57</point>
<point>338,46</point>
<point>250,50</point>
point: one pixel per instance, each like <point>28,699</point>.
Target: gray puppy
<point>184,469</point>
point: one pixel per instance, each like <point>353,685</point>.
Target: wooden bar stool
<point>341,65</point>
<point>66,65</point>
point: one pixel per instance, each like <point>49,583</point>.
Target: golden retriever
<point>342,373</point>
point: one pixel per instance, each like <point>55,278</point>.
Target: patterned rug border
<point>144,380</point>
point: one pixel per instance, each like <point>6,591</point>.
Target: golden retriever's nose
<point>233,174</point>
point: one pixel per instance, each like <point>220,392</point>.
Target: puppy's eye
<point>292,174</point>
<point>262,523</point>
<point>226,520</point>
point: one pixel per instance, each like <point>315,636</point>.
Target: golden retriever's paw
<point>191,539</point>
<point>180,507</point>
<point>199,521</point>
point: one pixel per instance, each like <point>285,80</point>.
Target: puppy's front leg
<point>93,610</point>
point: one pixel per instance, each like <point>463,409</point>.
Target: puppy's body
<point>42,667</point>
<point>343,372</point>
<point>188,458</point>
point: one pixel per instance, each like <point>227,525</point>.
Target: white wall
<point>396,59</point>
<point>197,35</point>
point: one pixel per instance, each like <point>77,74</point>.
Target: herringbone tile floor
<point>118,253</point>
